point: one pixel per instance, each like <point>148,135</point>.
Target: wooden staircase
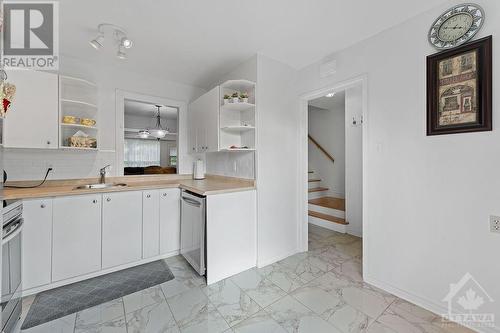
<point>324,210</point>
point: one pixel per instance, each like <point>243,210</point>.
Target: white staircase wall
<point>327,126</point>
<point>354,162</point>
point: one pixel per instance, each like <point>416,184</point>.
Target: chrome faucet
<point>102,172</point>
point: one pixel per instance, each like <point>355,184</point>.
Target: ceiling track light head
<point>119,35</point>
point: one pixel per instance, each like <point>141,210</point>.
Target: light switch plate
<point>495,224</point>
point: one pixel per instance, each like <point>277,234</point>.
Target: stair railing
<point>330,157</point>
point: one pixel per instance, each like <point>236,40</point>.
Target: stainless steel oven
<point>11,264</point>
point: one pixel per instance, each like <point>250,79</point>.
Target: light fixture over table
<point>158,131</point>
<point>119,37</point>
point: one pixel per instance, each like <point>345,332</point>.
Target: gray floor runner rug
<point>62,301</point>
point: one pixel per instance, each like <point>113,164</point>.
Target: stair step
<point>318,189</point>
<point>314,180</point>
<point>328,217</point>
<point>329,202</point>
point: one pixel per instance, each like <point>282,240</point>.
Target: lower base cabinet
<point>76,238</point>
<point>170,220</point>
<point>121,228</point>
<point>37,242</point>
<point>150,223</point>
<point>68,237</point>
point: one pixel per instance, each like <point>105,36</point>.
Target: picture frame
<point>459,89</point>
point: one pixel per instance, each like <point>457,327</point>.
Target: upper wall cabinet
<point>203,118</point>
<point>32,121</point>
<point>216,123</point>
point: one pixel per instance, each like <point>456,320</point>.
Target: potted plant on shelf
<point>244,97</point>
<point>235,97</point>
<point>226,98</point>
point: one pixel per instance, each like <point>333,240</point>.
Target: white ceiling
<point>196,41</point>
<point>137,108</point>
<point>337,102</point>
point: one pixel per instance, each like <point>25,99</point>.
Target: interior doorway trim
<point>121,96</point>
<point>362,81</point>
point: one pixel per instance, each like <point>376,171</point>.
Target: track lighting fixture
<point>98,42</point>
<point>121,53</point>
<point>119,35</point>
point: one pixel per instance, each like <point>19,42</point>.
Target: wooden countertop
<point>54,188</point>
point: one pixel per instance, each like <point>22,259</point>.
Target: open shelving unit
<point>77,98</point>
<point>237,120</point>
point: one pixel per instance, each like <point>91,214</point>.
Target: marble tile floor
<point>318,291</point>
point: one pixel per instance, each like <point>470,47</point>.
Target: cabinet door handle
<point>48,142</point>
<point>108,199</point>
<point>148,195</point>
<point>164,194</point>
<point>94,201</point>
<point>42,206</point>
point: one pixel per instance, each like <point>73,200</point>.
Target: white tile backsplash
<point>31,164</point>
<point>231,164</point>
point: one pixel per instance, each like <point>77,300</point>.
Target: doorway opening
<point>332,164</point>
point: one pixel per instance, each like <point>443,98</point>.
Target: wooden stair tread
<point>318,189</point>
<point>314,180</point>
<point>327,217</point>
<point>329,202</point>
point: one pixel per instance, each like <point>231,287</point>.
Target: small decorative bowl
<point>88,122</point>
<point>70,120</point>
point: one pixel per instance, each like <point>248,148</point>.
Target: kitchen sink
<point>99,186</point>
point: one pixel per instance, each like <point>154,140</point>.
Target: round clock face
<point>456,26</point>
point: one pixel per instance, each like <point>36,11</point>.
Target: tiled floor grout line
<point>125,315</point>
<point>169,308</point>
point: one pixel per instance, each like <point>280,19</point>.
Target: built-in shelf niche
<point>77,98</point>
<point>237,120</point>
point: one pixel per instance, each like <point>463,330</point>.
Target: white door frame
<point>121,96</point>
<point>303,151</point>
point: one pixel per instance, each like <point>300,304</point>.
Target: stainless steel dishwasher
<point>193,225</point>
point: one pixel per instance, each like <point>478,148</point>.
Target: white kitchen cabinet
<point>170,220</point>
<point>76,236</point>
<point>37,242</point>
<point>33,119</point>
<point>203,123</point>
<point>150,223</point>
<point>121,228</point>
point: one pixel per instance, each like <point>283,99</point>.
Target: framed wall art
<point>459,89</point>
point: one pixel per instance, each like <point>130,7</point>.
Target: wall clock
<point>456,26</point>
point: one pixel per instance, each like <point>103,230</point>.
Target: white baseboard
<point>327,224</point>
<point>61,283</point>
<point>264,263</point>
<point>420,301</point>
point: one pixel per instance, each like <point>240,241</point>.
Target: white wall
<point>354,161</point>
<point>277,167</point>
<point>22,164</point>
<point>327,127</point>
<point>427,199</point>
